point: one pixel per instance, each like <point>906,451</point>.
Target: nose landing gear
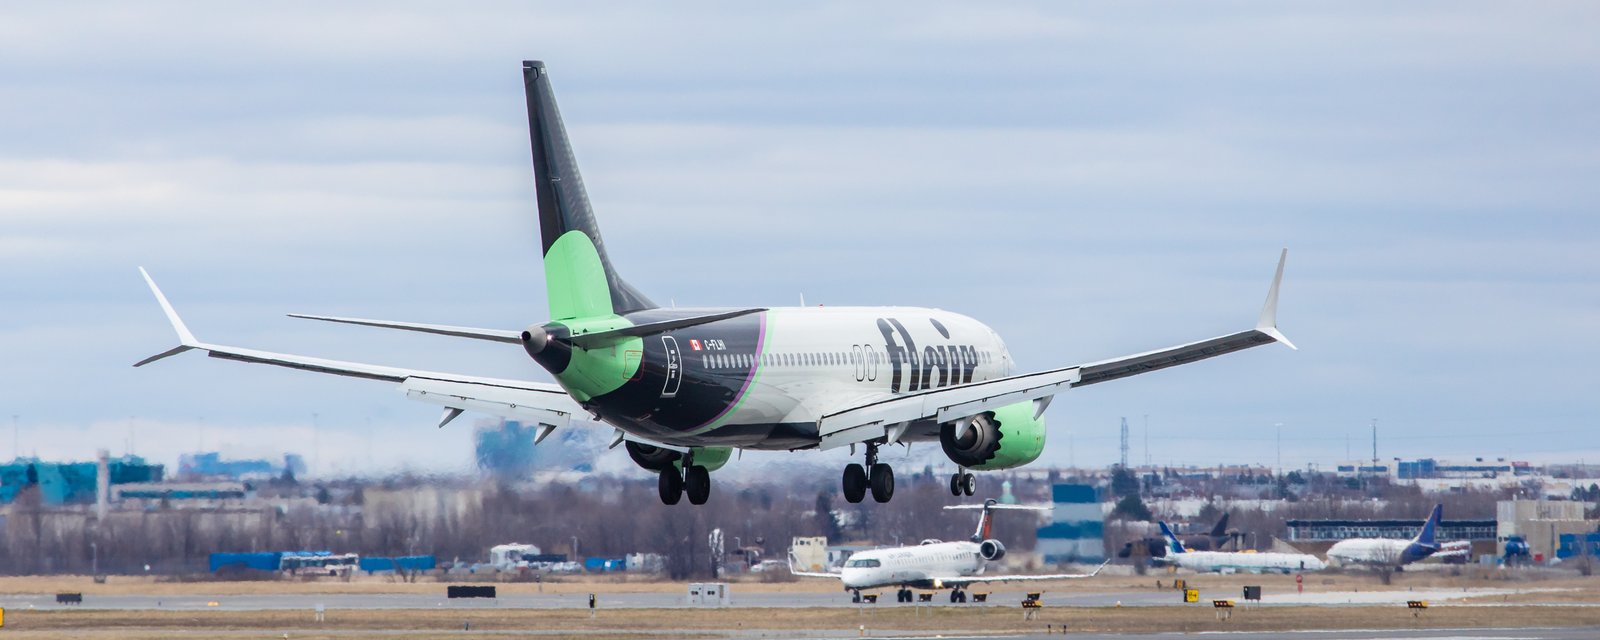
<point>876,476</point>
<point>963,483</point>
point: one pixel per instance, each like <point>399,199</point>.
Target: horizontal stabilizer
<point>494,335</point>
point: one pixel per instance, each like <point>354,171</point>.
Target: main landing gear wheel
<point>670,486</point>
<point>882,479</point>
<point>963,483</point>
<point>855,483</point>
<point>697,483</point>
<point>874,475</point>
<point>958,597</point>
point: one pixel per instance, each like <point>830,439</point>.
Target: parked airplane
<point>934,564</point>
<point>1157,547</point>
<point>1381,552</point>
<point>683,387</point>
<point>1236,561</point>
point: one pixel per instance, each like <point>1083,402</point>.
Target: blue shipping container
<point>261,561</point>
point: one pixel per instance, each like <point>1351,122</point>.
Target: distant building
<point>71,482</point>
<point>1335,530</point>
<point>1477,468</point>
<point>1077,529</point>
<point>209,465</point>
<point>1541,524</point>
<point>505,449</point>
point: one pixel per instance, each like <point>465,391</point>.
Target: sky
<point>1090,179</point>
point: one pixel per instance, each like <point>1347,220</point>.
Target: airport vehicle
<point>1388,552</point>
<point>935,564</point>
<point>1235,561</point>
<point>683,388</point>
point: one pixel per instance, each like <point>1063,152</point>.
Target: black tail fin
<point>1221,530</point>
<point>570,271</point>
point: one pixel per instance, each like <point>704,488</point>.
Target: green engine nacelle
<point>1005,438</point>
<point>712,458</point>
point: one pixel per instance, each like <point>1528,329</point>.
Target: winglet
<point>1268,323</point>
<point>186,340</point>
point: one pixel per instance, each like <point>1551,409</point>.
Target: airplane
<point>934,564</point>
<point>1382,552</point>
<point>1157,547</point>
<point>1235,561</point>
<point>684,388</point>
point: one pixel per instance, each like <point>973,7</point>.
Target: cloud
<point>1089,181</point>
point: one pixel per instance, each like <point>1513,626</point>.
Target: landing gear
<point>963,483</point>
<point>855,483</point>
<point>958,596</point>
<point>855,597</point>
<point>693,479</point>
<point>882,482</point>
<point>697,483</point>
<point>874,475</point>
<point>670,486</point>
<point>905,595</point>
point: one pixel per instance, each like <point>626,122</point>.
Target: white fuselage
<point>1375,551</point>
<point>1229,561</point>
<point>927,564</point>
<point>812,361</point>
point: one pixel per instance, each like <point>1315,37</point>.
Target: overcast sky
<point>1091,180</point>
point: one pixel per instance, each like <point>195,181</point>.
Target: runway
<point>657,600</point>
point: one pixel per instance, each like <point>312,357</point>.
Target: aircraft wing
<point>540,403</point>
<point>882,417</point>
<point>812,574</point>
<point>971,580</point>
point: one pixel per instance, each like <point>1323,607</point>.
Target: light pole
<point>1279,428</point>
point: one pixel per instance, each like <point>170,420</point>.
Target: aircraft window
<point>864,563</point>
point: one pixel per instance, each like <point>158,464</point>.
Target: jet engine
<point>651,457</point>
<point>1005,438</point>
<point>654,458</point>
<point>991,550</point>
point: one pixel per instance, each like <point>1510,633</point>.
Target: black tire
<point>955,596</point>
<point>670,486</point>
<point>882,481</point>
<point>855,483</point>
<point>697,483</point>
<point>955,484</point>
<point>969,484</point>
<point>855,597</point>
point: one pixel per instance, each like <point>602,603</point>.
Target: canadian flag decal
<point>694,344</point>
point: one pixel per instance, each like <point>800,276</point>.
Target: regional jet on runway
<point>1383,552</point>
<point>1235,561</point>
<point>935,564</point>
<point>685,387</point>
